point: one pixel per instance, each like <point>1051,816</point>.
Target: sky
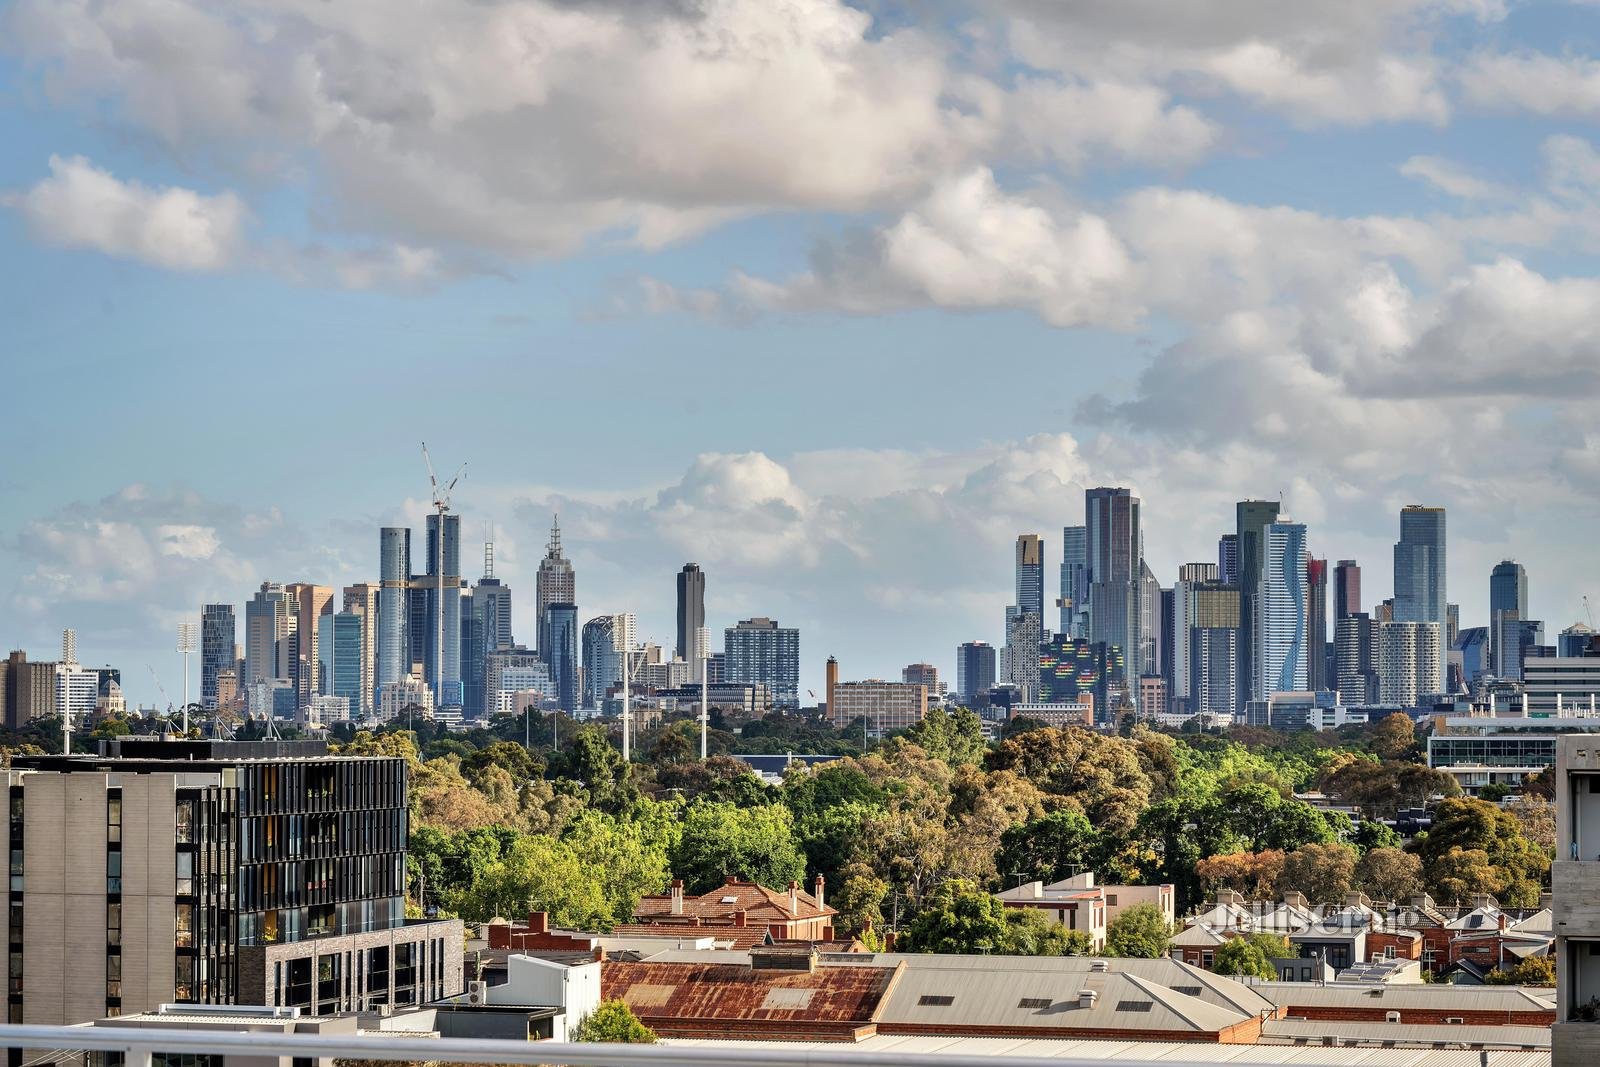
<point>833,299</point>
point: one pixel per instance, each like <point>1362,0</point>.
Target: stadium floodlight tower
<point>187,632</point>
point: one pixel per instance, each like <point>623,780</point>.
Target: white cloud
<point>968,245</point>
<point>82,206</point>
<point>1451,178</point>
<point>1536,82</point>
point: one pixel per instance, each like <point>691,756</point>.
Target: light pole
<point>705,682</point>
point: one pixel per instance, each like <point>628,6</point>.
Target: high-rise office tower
<point>1355,658</point>
<point>1419,572</point>
<point>1512,638</point>
<point>485,628</point>
<point>1574,641</point>
<point>217,637</point>
<point>1508,591</point>
<point>269,619</point>
<point>927,676</point>
<point>691,614</point>
<point>1030,574</point>
<point>555,582</point>
<point>441,667</point>
<point>1074,600</point>
<point>1410,661</point>
<point>1151,654</point>
<point>1114,548</point>
<point>1228,559</point>
<point>1169,643</point>
<point>1251,517</point>
<point>974,669</point>
<point>361,600</point>
<point>339,657</point>
<point>311,603</point>
<point>760,651</point>
<point>1180,622</point>
<point>1317,625</point>
<point>1280,622</point>
<point>1346,589</point>
<point>394,602</point>
<point>560,624</point>
<point>1213,671</point>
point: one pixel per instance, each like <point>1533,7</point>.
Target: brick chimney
<point>818,893</point>
<point>538,922</point>
<point>741,918</point>
<point>794,897</point>
<point>677,896</point>
<point>1502,918</point>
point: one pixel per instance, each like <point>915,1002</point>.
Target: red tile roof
<point>761,904</point>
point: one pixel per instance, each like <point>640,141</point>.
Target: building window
<point>1205,959</point>
<point>114,977</point>
<point>114,925</point>
<point>114,873</point>
<point>114,817</point>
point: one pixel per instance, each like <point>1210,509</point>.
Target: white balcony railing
<point>138,1045</point>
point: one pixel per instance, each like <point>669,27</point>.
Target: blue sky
<point>833,300</point>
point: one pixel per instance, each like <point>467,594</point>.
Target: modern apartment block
<point>213,872</point>
<point>760,651</point>
<point>1575,903</point>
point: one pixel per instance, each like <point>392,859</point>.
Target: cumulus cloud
<point>82,206</point>
<point>1451,178</point>
<point>968,245</point>
<point>1536,82</point>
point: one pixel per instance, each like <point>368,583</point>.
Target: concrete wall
<point>64,898</point>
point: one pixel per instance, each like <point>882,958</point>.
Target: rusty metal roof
<point>723,992</point>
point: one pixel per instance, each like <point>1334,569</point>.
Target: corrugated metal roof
<point>1157,1051</point>
<point>1471,998</point>
<point>1315,1030</point>
<point>724,991</point>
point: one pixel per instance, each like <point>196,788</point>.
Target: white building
<point>1079,712</point>
<point>1410,662</point>
<point>77,691</point>
<point>324,710</point>
<point>395,697</point>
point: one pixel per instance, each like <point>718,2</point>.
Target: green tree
<point>1535,970</point>
<point>1048,848</point>
<point>1239,956</point>
<point>1393,738</point>
<point>1370,835</point>
<point>589,758</point>
<point>957,917</point>
<point>1476,847</point>
<point>1030,933</point>
<point>630,855</point>
<point>1389,874</point>
<point>1272,946</point>
<point>1141,932</point>
<point>955,736</point>
<point>540,874</point>
<point>859,898</point>
<point>1322,872</point>
<point>514,759</point>
<point>613,1022</point>
<point>720,840</point>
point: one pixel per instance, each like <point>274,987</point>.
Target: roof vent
<point>1087,997</point>
<point>1098,967</point>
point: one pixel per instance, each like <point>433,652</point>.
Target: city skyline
<point>658,617</point>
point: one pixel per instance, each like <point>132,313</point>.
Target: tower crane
<point>441,507</point>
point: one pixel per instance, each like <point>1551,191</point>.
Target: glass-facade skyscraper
<point>394,600</point>
<point>1030,575</point>
<point>1281,623</point>
<point>443,672</point>
<point>1346,589</point>
<point>974,669</point>
<point>561,655</point>
<point>1419,571</point>
<point>555,583</point>
<point>1317,625</point>
<point>1251,518</point>
<point>339,657</point>
<point>218,635</point>
<point>1114,547</point>
<point>691,613</point>
<point>1074,602</point>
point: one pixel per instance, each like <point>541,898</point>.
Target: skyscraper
<point>974,669</point>
<point>1213,652</point>
<point>485,628</point>
<point>555,583</point>
<point>1114,548</point>
<point>1024,636</point>
<point>1190,577</point>
<point>1317,624</point>
<point>394,600</point>
<point>441,667</point>
<point>1513,636</point>
<point>1280,624</point>
<point>1151,653</point>
<point>1030,575</point>
<point>1251,517</point>
<point>1074,600</point>
<point>1508,591</point>
<point>560,624</point>
<point>1410,658</point>
<point>339,657</point>
<point>691,614</point>
<point>269,619</point>
<point>1346,589</point>
<point>1419,572</point>
<point>218,635</point>
<point>760,651</point>
<point>1228,559</point>
<point>605,640</point>
<point>311,603</point>
<point>361,600</point>
<point>1355,658</point>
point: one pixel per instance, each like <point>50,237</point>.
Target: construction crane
<point>1587,610</point>
<point>441,507</point>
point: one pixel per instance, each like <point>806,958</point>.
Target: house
<point>736,905</point>
<point>1079,904</point>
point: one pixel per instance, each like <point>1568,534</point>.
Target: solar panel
<point>1034,1002</point>
<point>935,1002</point>
<point>1135,1005</point>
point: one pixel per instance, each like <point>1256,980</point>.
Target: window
<point>1206,958</point>
<point>935,1002</point>
<point>1388,952</point>
<point>1034,1002</point>
<point>1111,900</point>
<point>113,924</point>
<point>185,822</point>
<point>183,926</point>
<point>114,873</point>
<point>114,817</point>
<point>1135,1005</point>
<point>185,865</point>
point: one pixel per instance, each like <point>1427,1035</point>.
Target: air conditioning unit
<point>477,993</point>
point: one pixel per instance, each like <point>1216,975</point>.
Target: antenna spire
<point>553,550</point>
